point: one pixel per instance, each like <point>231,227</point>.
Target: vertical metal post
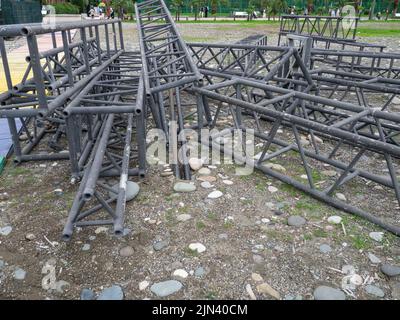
<point>67,57</point>
<point>6,67</point>
<point>85,49</point>
<point>37,71</point>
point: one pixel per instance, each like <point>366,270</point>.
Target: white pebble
<point>197,246</point>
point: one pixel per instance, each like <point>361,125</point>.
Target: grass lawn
<point>389,28</point>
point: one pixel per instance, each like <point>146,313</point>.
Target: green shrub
<point>81,4</point>
<point>66,8</point>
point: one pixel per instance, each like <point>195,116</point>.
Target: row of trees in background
<point>272,8</point>
<point>80,6</point>
<point>390,7</point>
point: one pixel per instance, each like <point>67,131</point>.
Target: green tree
<point>395,7</point>
<point>250,9</point>
<point>310,6</point>
<point>122,5</point>
<point>81,4</point>
<point>177,4</point>
<point>196,4</point>
<point>277,7</point>
<point>214,5</point>
<point>372,10</point>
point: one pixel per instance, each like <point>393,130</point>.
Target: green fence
<point>223,8</point>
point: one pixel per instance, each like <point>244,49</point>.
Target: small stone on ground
<point>111,293</point>
<point>328,293</point>
<point>166,288</point>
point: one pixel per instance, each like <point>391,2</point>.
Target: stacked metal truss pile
<point>311,108</point>
<point>80,101</point>
<point>323,109</point>
<point>168,69</point>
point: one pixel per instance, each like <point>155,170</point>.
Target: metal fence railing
<point>222,8</point>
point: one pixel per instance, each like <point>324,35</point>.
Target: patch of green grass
<point>183,209</point>
<point>319,233</point>
<point>210,295</point>
<point>198,39</point>
<point>16,171</point>
<point>200,225</point>
<point>241,23</point>
<point>313,209</point>
<point>228,224</point>
<point>316,175</point>
<point>191,253</point>
<point>212,216</point>
<point>142,198</point>
<point>305,204</point>
<point>246,201</point>
<point>378,32</point>
<point>290,190</point>
<point>307,236</point>
<point>246,177</point>
<point>169,216</point>
<point>279,235</point>
<point>261,186</point>
<point>360,242</point>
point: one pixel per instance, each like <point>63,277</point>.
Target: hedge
<point>66,8</point>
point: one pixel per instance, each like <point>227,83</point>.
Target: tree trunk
<point>357,6</point>
<point>395,7</point>
<point>372,9</point>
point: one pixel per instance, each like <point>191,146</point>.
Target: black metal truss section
<point>250,61</point>
<point>52,79</point>
<point>377,65</point>
<point>162,49</point>
<point>319,27</point>
<point>111,156</point>
<point>112,91</point>
<point>292,136</point>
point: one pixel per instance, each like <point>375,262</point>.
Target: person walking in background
<point>201,12</point>
<point>108,13</point>
<point>206,11</point>
<point>112,13</point>
<point>91,12</point>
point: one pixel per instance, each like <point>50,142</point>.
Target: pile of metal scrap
<point>327,116</point>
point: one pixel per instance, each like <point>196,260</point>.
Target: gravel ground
<point>252,248</point>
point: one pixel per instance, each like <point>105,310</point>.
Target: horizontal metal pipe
<point>41,28</point>
<point>63,98</point>
<point>336,132</point>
